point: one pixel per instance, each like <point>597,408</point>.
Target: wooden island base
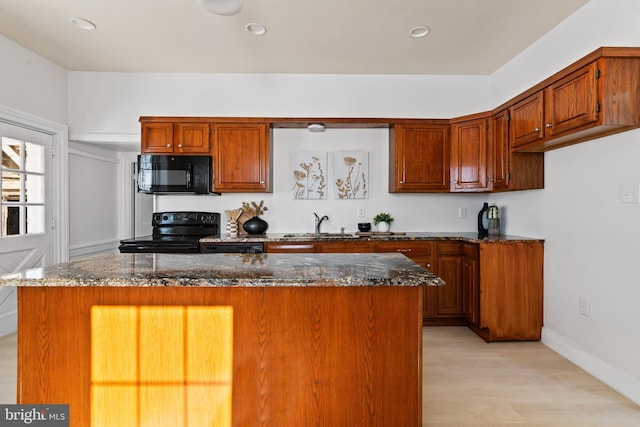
<point>301,356</point>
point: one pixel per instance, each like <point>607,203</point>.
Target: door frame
<point>59,176</point>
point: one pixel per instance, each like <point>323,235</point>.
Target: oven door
<point>159,174</point>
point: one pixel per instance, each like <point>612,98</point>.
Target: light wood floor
<point>467,382</point>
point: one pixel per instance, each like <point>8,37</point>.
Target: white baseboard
<point>616,378</point>
<point>95,248</point>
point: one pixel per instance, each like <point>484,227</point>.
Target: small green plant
<point>382,217</point>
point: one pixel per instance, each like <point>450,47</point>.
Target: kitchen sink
<point>321,235</point>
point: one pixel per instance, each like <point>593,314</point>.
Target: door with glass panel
<point>26,215</point>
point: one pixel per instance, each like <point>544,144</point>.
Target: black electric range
<point>175,232</point>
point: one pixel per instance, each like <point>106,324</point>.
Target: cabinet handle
<point>168,145</point>
<point>536,130</point>
<point>428,265</point>
<point>548,125</point>
<point>403,250</point>
<point>179,145</point>
<point>401,182</point>
<point>261,182</point>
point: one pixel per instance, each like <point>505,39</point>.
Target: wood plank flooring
<point>467,382</point>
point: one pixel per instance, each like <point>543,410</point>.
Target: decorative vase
<point>383,227</point>
<point>255,225</point>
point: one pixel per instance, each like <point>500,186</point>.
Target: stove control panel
<point>185,218</point>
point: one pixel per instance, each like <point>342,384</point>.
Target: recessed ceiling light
<point>256,29</point>
<point>420,31</point>
<point>223,7</point>
<point>83,23</point>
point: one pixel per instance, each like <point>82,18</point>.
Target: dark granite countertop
<point>248,270</point>
<point>298,237</point>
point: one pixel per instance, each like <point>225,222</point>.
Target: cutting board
<point>380,233</point>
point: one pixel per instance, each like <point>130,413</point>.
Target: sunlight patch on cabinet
<point>161,365</point>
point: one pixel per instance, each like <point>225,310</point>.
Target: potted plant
<point>383,221</point>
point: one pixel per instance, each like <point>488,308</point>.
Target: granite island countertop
<point>237,270</point>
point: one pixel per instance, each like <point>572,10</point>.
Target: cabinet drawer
<point>289,247</point>
<point>408,248</point>
<point>450,248</point>
<point>470,251</point>
<point>344,246</point>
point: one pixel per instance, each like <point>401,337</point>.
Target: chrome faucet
<point>319,221</point>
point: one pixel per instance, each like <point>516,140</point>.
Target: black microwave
<point>159,174</point>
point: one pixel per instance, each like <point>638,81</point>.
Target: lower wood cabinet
<point>496,288</point>
<point>445,302</point>
<point>503,290</point>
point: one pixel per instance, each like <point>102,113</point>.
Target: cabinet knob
<point>179,145</point>
<point>401,182</point>
<point>168,145</point>
<point>536,130</point>
<point>548,125</point>
<point>261,182</point>
<point>428,265</point>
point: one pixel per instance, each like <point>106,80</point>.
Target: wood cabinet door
<point>499,151</point>
<point>157,138</point>
<point>191,138</point>
<point>470,283</point>
<point>469,149</point>
<point>527,120</point>
<point>449,269</point>
<point>419,158</point>
<point>241,158</point>
<point>572,102</point>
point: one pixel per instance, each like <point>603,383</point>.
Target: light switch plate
<point>631,193</point>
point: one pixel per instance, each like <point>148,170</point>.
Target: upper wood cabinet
<point>241,157</point>
<point>469,154</point>
<point>175,138</point>
<point>594,97</point>
<point>500,151</point>
<point>419,158</point>
<point>509,170</point>
<point>527,120</point>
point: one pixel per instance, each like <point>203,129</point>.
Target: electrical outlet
<point>462,212</point>
<point>360,212</point>
<point>585,307</point>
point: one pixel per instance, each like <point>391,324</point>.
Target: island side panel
<point>301,355</point>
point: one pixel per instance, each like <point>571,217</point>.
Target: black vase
<point>255,225</point>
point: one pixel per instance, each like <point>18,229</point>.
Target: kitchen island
<point>225,339</point>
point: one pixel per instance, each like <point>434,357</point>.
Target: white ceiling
<point>468,37</point>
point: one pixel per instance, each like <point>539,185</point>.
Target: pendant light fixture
<point>223,7</point>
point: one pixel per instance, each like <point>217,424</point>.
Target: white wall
<point>592,239</point>
<point>32,84</point>
<point>93,200</point>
